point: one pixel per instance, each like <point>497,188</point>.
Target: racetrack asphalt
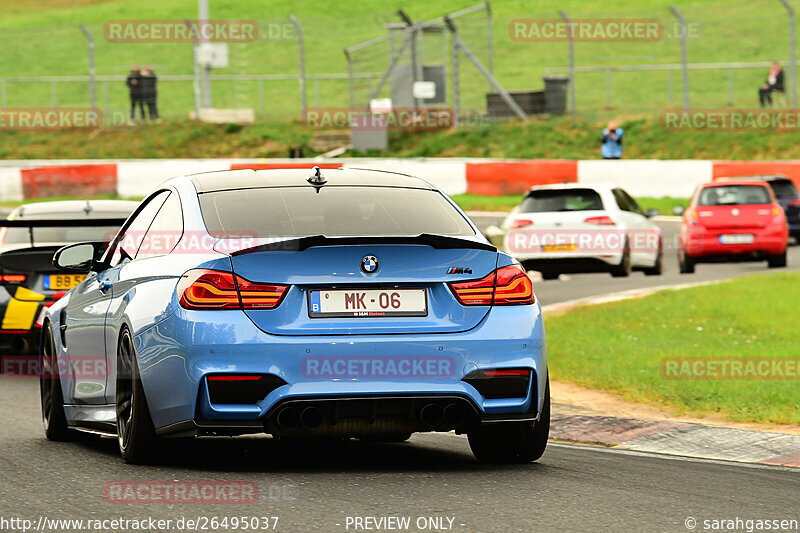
<point>316,487</point>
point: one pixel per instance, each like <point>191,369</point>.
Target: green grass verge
<point>619,346</point>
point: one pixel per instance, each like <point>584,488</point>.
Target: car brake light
<point>213,289</point>
<point>13,278</point>
<point>521,223</point>
<point>505,286</point>
<point>234,377</point>
<point>600,221</point>
<point>515,372</point>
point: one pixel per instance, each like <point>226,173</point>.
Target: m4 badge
<point>459,270</point>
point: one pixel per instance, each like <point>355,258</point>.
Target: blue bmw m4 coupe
<point>297,303</point>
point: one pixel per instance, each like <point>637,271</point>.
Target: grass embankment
<point>619,347</point>
<point>557,137</point>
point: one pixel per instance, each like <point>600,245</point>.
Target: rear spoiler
<point>425,239</point>
<point>62,222</point>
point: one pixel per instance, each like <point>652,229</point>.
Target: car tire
<point>514,442</point>
<point>550,275</point>
<point>777,261</point>
<point>685,263</point>
<point>623,269</point>
<point>135,432</point>
<point>53,417</point>
<point>658,268</point>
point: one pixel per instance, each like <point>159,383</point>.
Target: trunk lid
<point>338,267</point>
<point>738,217</point>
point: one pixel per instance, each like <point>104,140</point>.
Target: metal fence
<point>720,64</point>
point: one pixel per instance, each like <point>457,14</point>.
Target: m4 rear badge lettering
<point>459,270</point>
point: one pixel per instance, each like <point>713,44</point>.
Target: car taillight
<point>795,202</point>
<point>213,289</point>
<point>600,221</point>
<point>13,278</point>
<point>505,286</point>
<point>521,223</point>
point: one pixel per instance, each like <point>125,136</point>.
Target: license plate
<point>367,303</point>
<point>62,281</point>
<point>559,247</point>
<point>741,238</point>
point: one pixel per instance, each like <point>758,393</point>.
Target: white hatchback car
<point>573,228</point>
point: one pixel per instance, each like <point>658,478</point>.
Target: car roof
<point>566,186</point>
<point>734,181</point>
<point>765,177</point>
<point>297,177</point>
<point>69,209</point>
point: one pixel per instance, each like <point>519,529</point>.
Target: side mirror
<point>652,213</point>
<point>678,210</point>
<point>78,257</point>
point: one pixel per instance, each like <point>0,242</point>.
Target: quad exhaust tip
<point>432,415</point>
<point>312,417</point>
<point>288,418</point>
<point>454,415</point>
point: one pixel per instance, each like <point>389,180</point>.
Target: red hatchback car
<point>733,220</point>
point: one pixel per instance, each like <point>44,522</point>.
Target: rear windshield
<point>334,211</point>
<point>560,200</point>
<point>734,195</point>
<point>784,189</point>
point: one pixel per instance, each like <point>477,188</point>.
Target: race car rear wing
<point>61,222</point>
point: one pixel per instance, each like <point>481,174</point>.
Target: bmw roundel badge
<point>369,265</point>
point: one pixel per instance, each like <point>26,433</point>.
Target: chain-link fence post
<point>350,81</point>
<point>792,51</point>
<point>564,16</point>
<point>684,56</point>
<point>301,51</point>
<point>90,39</point>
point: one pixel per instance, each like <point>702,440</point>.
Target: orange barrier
<point>69,180</point>
<point>516,177</point>
<point>732,169</point>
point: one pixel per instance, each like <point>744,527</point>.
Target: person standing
<point>134,83</point>
<point>774,83</point>
<point>150,92</point>
<point>611,147</point>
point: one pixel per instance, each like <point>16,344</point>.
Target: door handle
<point>105,286</point>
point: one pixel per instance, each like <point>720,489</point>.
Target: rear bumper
<point>573,264</point>
<point>354,416</point>
<point>706,245</point>
<point>176,356</point>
